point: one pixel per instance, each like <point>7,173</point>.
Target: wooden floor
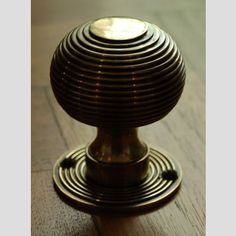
<point>181,133</point>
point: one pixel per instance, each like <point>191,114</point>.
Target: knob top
<point>118,28</point>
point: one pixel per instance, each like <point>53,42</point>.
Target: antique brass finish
<point>117,74</point>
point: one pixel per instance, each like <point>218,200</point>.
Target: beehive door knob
<point>117,74</point>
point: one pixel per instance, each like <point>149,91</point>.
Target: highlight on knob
<point>117,71</point>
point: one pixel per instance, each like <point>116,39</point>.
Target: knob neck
<point>117,146</point>
<point>117,158</point>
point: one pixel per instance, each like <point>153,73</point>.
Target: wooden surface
<point>181,133</point>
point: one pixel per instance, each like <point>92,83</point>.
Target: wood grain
<point>181,133</point>
<point>50,216</point>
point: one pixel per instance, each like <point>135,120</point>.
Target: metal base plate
<point>164,178</point>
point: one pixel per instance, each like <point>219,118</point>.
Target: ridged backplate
<point>75,188</point>
<point>127,83</point>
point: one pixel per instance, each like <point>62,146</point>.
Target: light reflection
<point>118,28</point>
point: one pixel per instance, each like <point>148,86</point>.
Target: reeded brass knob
<point>117,74</point>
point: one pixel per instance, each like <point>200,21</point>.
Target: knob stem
<point>117,157</point>
<point>117,146</point>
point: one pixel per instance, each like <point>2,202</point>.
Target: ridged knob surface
<point>117,72</point>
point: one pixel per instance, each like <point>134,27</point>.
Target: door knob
<point>117,74</point>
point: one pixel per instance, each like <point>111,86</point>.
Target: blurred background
<point>181,133</point>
